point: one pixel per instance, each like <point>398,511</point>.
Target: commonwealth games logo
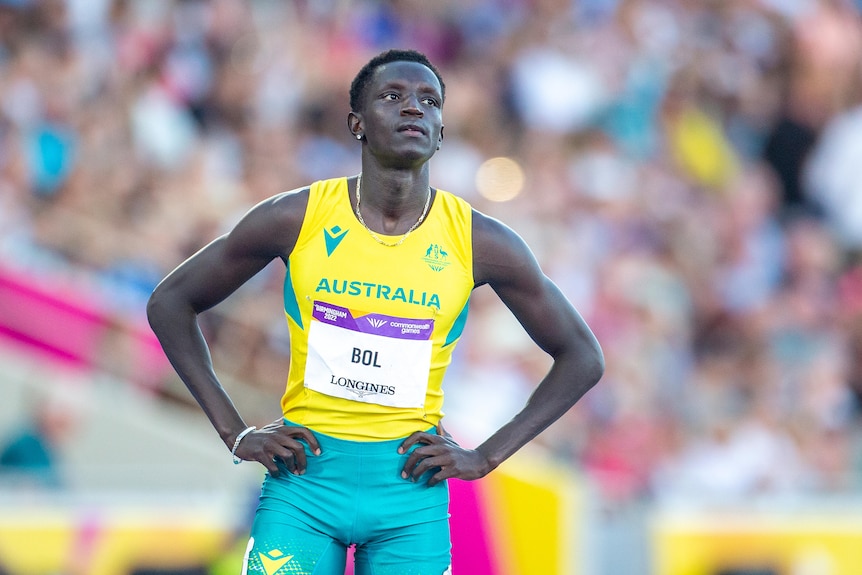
<point>436,257</point>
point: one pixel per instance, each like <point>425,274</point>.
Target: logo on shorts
<point>273,560</point>
<point>333,237</point>
<point>436,257</point>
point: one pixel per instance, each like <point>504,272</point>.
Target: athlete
<point>379,271</point>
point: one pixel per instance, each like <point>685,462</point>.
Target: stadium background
<point>689,171</point>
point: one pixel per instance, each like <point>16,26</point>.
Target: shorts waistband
<point>384,447</point>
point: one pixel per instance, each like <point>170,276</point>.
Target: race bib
<point>372,358</point>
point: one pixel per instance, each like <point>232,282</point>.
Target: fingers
<point>270,464</point>
<point>442,475</point>
<point>277,441</point>
<point>268,454</point>
<point>442,466</point>
<point>418,437</point>
<point>412,460</point>
<point>306,435</point>
<point>436,465</point>
<point>292,454</point>
<point>292,449</point>
<point>440,458</point>
<point>288,462</point>
<point>425,458</point>
<point>418,463</point>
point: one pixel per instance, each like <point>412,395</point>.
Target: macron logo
<point>333,237</point>
<point>273,561</point>
<point>377,323</point>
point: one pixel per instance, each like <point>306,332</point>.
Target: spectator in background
<point>30,455</point>
<point>824,63</point>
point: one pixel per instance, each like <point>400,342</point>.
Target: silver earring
<point>358,136</point>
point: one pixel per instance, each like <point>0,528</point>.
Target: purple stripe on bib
<point>373,323</point>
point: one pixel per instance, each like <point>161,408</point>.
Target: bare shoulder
<point>287,208</point>
<point>273,225</point>
<point>500,255</point>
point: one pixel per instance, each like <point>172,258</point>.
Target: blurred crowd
<point>693,182</point>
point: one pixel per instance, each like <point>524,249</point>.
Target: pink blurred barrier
<point>51,316</point>
<point>472,549</point>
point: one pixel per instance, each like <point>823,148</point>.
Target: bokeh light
<point>500,179</point>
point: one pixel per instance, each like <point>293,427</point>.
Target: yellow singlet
<point>373,327</point>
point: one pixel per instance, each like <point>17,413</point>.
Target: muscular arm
<point>504,262</point>
<point>266,232</point>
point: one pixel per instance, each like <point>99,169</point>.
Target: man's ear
<point>440,138</point>
<point>354,124</point>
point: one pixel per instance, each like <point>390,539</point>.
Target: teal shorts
<point>351,494</point>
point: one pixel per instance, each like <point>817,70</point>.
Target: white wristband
<point>243,433</point>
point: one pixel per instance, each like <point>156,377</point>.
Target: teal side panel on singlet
<point>291,306</point>
<point>458,326</point>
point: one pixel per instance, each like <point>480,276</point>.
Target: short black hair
<point>363,77</point>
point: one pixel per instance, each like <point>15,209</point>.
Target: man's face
<point>401,114</point>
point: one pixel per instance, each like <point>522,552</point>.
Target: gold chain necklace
<point>377,238</point>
